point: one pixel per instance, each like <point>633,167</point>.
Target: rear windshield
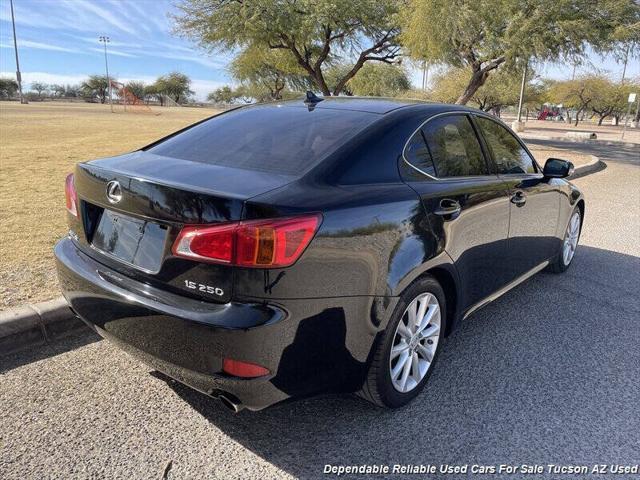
<point>276,139</point>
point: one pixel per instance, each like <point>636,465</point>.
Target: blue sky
<point>58,42</point>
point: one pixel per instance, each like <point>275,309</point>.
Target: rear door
<point>467,205</point>
<point>535,204</point>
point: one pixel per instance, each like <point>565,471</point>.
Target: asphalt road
<point>549,373</point>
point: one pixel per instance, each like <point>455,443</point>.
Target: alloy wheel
<point>571,238</point>
<point>415,342</point>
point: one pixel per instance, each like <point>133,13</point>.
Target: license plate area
<point>139,243</point>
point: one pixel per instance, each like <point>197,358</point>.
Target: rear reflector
<point>271,243</point>
<point>71,195</point>
<point>243,369</point>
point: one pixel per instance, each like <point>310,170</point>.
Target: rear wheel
<point>408,349</point>
<point>569,244</point>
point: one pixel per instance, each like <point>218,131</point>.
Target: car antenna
<point>312,98</point>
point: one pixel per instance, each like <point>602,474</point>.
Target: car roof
<point>378,105</point>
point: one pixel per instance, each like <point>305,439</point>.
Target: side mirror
<point>557,168</point>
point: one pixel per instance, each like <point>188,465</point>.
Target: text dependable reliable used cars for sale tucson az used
<point>325,245</point>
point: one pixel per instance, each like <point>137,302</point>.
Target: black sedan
<point>287,249</point>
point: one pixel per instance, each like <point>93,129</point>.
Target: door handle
<point>448,207</point>
<point>519,199</point>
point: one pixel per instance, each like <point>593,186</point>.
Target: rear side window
<point>417,154</point>
<point>275,139</point>
<point>508,154</point>
<point>454,147</point>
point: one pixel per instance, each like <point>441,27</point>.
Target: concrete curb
<point>594,165</point>
<point>618,143</point>
<point>36,324</point>
<point>41,323</point>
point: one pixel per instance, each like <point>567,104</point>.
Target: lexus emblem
<point>114,191</point>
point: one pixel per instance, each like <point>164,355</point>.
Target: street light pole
<point>105,40</point>
<point>15,46</point>
<point>524,81</point>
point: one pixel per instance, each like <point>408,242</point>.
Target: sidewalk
<point>550,130</point>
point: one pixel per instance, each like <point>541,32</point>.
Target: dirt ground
<point>39,145</point>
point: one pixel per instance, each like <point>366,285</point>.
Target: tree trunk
<point>602,116</point>
<point>343,81</point>
<point>477,80</point>
<point>577,118</point>
<point>478,77</point>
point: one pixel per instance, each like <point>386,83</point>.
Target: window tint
<point>454,147</point>
<point>417,154</point>
<point>270,138</point>
<point>509,155</point>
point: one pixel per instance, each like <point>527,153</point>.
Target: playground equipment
<point>128,100</point>
<point>551,112</point>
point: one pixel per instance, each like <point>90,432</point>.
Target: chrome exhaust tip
<point>235,407</point>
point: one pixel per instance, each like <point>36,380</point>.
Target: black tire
<point>378,388</point>
<point>557,264</point>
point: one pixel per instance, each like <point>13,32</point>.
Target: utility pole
<point>105,40</point>
<point>15,46</point>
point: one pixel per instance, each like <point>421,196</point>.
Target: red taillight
<point>272,243</point>
<point>206,243</point>
<point>71,195</point>
<point>243,369</point>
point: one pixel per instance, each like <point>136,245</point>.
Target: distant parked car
<point>287,249</point>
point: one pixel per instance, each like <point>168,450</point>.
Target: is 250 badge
<point>204,288</point>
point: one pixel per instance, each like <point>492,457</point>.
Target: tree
<point>151,91</point>
<point>72,90</point>
<point>95,86</point>
<point>8,87</point>
<point>175,85</point>
<point>380,80</point>
<point>610,98</point>
<point>334,73</point>
<point>58,90</point>
<point>39,88</point>
<point>224,94</point>
<point>484,35</point>
<point>268,70</point>
<point>316,33</point>
<point>576,94</point>
<point>499,91</point>
<point>136,88</point>
<point>447,85</point>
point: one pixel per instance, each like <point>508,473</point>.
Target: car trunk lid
<point>133,231</point>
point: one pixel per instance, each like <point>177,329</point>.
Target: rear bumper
<point>308,345</point>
